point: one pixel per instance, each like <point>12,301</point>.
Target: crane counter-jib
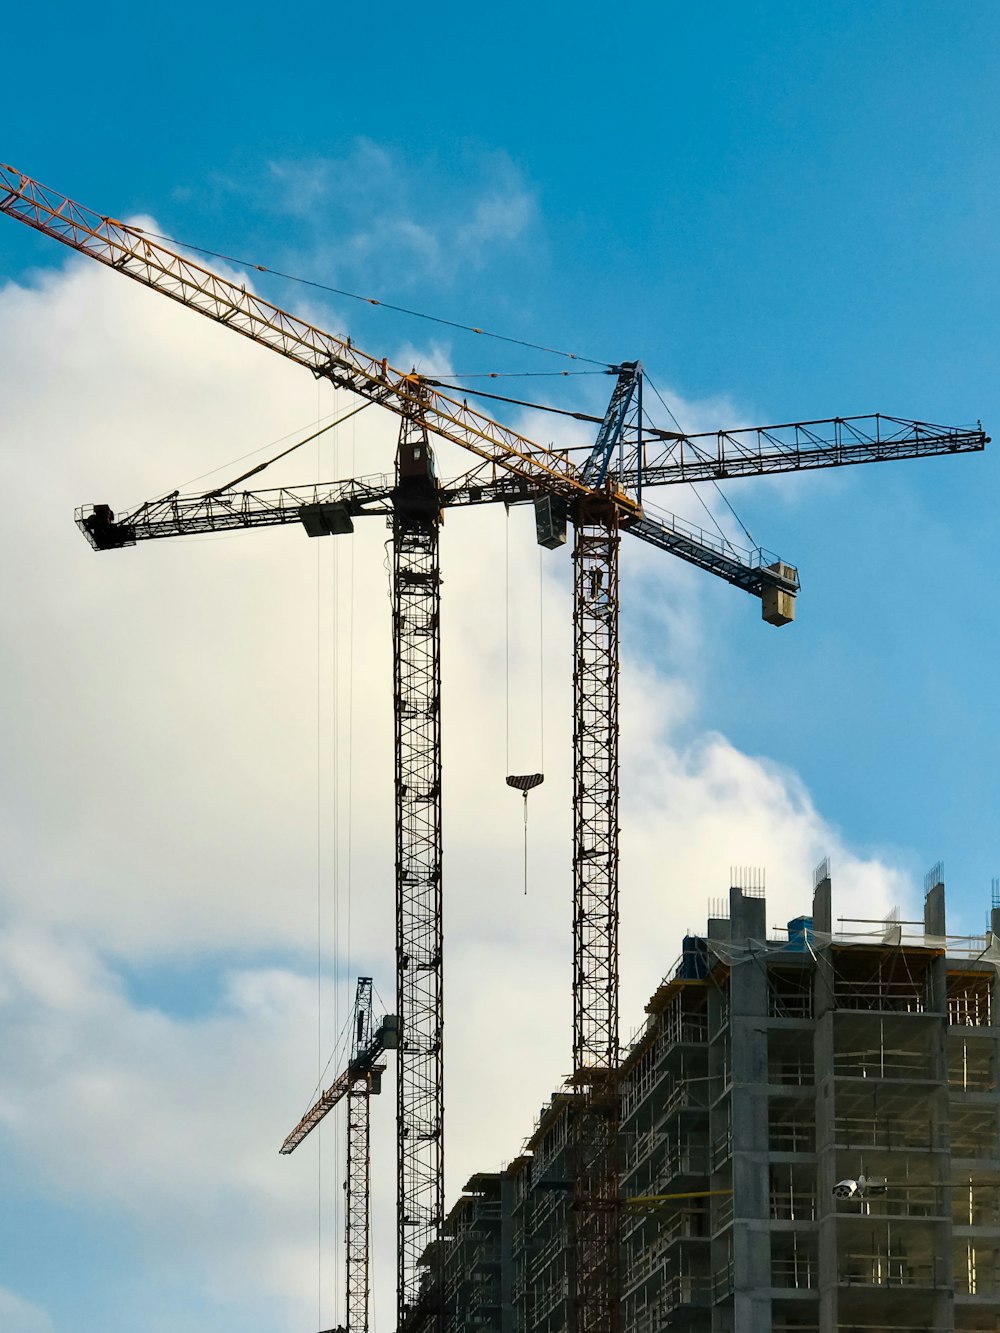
<point>330,510</point>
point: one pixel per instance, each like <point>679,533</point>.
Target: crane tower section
<point>358,1185</point>
<point>595,795</point>
<point>357,1083</point>
<point>358,1176</point>
<point>595,1285</point>
<point>416,610</point>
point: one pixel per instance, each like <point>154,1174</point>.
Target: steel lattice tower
<point>595,1279</point>
<point>358,1181</point>
<point>416,604</point>
<point>358,1203</point>
<point>359,1082</point>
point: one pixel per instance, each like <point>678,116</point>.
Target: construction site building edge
<point>808,1141</point>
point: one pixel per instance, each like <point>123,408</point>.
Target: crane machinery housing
<point>601,497</point>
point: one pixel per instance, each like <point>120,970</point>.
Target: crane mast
<point>357,1205</point>
<point>416,618</point>
<point>361,1080</point>
<point>358,1184</point>
<point>601,499</point>
<point>593,1125</point>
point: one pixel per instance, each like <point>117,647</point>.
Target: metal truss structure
<point>601,498</point>
<point>357,1289</point>
<point>593,1125</point>
<point>416,616</point>
<point>359,1081</point>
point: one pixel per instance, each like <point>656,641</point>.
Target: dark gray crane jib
<point>604,496</point>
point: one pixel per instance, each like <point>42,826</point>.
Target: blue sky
<point>787,212</point>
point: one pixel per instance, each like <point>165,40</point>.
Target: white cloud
<point>20,1316</point>
<point>173,1125</point>
<point>503,214</point>
<point>431,220</point>
<point>159,799</point>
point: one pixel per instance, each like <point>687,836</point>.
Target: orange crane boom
<point>127,250</point>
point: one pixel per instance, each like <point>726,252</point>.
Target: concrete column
<point>823,903</point>
<point>751,1208</point>
<point>934,911</point>
<point>826,1163</point>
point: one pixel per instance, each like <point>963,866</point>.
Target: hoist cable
<point>519,402</point>
<point>520,374</point>
<point>219,490</point>
<point>333,622</point>
<point>526,844</point>
<point>365,300</point>
<point>231,462</point>
<point>541,660</point>
<point>720,492</point>
<point>319,945</point>
<point>339,1052</point>
<point>350,721</point>
<point>506,600</point>
<point>664,404</point>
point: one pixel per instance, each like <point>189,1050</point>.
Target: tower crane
<point>358,1083</point>
<point>600,497</point>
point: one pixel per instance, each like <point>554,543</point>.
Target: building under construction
<point>809,1141</point>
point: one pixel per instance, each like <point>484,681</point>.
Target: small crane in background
<point>601,497</point>
<point>358,1083</point>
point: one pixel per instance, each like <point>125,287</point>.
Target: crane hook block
<point>525,781</point>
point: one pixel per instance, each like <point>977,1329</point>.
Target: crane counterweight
<point>777,600</point>
<point>326,520</point>
<point>97,523</point>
